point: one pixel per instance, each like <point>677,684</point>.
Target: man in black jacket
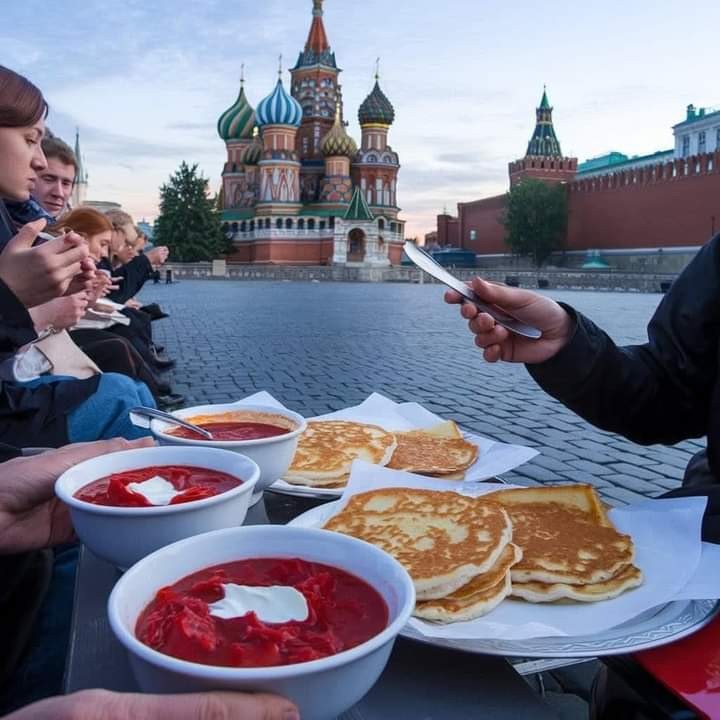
<point>663,391</point>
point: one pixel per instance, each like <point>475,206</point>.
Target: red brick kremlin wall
<point>665,205</point>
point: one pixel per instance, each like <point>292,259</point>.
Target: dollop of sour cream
<point>273,604</point>
<point>157,490</point>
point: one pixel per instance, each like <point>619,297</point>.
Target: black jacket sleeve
<point>659,392</point>
<point>133,274</point>
<point>16,326</point>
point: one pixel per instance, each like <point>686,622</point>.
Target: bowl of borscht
<point>267,434</point>
<point>126,505</point>
<point>304,613</point>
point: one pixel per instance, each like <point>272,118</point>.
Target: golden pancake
<point>478,597</point>
<point>581,497</point>
<point>327,449</point>
<point>565,536</point>
<point>426,454</point>
<point>628,578</point>
<point>443,539</point>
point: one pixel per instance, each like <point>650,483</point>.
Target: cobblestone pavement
<point>319,347</point>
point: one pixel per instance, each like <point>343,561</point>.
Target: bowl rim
<point>267,673</point>
<point>229,407</point>
<point>246,486</point>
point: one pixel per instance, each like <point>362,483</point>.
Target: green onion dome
<point>376,108</point>
<point>253,152</point>
<point>238,121</point>
<point>337,141</point>
<point>279,108</point>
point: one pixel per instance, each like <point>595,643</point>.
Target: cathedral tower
<point>235,128</point>
<point>279,116</point>
<point>376,164</point>
<point>543,159</point>
<point>315,86</point>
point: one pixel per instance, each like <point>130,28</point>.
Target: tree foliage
<point>536,215</point>
<point>189,222</point>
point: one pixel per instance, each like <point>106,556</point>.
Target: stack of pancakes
<point>466,554</point>
<point>571,551</point>
<point>456,548</point>
<point>327,449</point>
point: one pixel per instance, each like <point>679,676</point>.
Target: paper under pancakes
<point>466,554</point>
<point>327,449</point>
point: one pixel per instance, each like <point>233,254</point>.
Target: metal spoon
<point>139,417</point>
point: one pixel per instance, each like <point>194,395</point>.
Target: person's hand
<point>529,307</point>
<point>133,303</point>
<point>61,313</point>
<point>102,285</point>
<point>158,255</point>
<point>38,274</point>
<point>31,517</point>
<point>83,281</point>
<point>91,704</point>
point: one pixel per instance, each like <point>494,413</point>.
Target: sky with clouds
<point>146,81</point>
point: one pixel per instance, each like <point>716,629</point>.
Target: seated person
<point>49,411</point>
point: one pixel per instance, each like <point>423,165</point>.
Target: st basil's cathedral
<point>296,189</point>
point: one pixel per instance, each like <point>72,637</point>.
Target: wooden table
<point>421,682</point>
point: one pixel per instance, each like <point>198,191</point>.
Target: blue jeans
<point>104,414</point>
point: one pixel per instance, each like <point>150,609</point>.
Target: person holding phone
<point>663,391</point>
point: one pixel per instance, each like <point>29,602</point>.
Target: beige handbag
<point>66,357</point>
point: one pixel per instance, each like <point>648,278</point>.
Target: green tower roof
<point>358,208</point>
<point>544,142</point>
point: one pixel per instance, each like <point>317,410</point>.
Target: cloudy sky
<point>145,81</point>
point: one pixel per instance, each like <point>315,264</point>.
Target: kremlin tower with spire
<point>543,159</point>
<point>296,188</point>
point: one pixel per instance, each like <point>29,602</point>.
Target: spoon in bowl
<point>141,417</point>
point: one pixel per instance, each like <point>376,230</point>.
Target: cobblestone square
<point>320,347</point>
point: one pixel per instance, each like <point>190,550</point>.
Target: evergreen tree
<point>189,221</point>
<point>535,220</point>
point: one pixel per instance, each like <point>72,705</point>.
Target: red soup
<point>235,430</point>
<point>157,485</point>
<point>186,620</point>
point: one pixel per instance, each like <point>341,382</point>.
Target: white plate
<point>659,626</point>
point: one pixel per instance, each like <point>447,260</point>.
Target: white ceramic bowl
<point>123,535</point>
<point>323,688</point>
<point>273,455</point>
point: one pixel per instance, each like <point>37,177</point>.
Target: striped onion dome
<point>279,108</point>
<point>337,141</point>
<point>376,108</point>
<point>253,152</point>
<point>238,121</point>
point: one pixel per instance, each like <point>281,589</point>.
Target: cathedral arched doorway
<point>356,245</point>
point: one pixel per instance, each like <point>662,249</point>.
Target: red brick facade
<point>667,205</point>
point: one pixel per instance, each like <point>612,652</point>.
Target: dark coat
<point>133,274</point>
<point>664,391</point>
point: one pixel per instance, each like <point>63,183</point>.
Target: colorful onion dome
<point>337,141</point>
<point>253,152</point>
<point>279,108</point>
<point>376,108</point>
<point>237,122</point>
